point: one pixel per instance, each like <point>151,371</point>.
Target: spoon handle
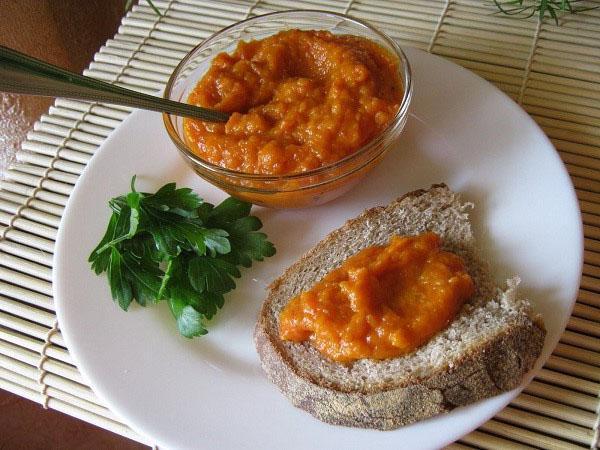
<point>22,74</point>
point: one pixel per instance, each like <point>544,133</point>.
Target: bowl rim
<point>406,75</point>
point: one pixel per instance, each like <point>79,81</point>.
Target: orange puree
<point>383,302</point>
<point>300,100</point>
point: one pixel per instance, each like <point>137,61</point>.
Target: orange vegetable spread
<point>300,100</point>
<point>383,302</point>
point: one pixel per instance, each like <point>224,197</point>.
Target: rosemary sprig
<point>528,9</point>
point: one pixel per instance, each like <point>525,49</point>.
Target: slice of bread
<point>494,340</point>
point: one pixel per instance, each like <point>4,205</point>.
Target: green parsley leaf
<point>101,260</point>
<point>172,246</point>
<point>133,201</point>
<point>178,285</point>
<point>215,240</point>
<point>246,243</point>
<point>183,202</point>
<point>208,274</point>
<point>228,211</point>
<point>119,285</point>
<point>123,229</point>
<point>145,277</point>
<point>207,303</point>
<point>189,321</point>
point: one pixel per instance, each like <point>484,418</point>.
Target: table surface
<point>66,34</point>
<point>552,70</point>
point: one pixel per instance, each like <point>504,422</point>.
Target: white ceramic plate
<point>211,392</point>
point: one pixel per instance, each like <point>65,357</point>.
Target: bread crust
<point>496,367</point>
<point>498,364</point>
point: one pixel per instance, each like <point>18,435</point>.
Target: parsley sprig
<point>173,246</point>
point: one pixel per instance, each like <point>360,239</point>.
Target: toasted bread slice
<point>494,340</point>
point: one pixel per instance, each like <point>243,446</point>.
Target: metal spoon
<point>22,74</point>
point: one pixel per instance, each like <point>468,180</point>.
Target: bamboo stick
<point>457,446</point>
<point>578,71</point>
<point>556,410</point>
<point>26,327</point>
<point>582,64</point>
<point>20,279</point>
<point>26,267</point>
<point>35,203</point>
<point>31,214</point>
<point>98,109</point>
<point>522,434</point>
<point>544,103</point>
<point>32,373</point>
<point>593,197</point>
<point>481,56</point>
<point>32,358</point>
<point>584,326</point>
<point>52,174</point>
<point>150,78</point>
<point>432,9</point>
<point>575,114</point>
<point>25,311</point>
<point>586,184</point>
<point>119,53</point>
<point>47,127</point>
<point>36,345</point>
<point>590,216</point>
<point>236,10</point>
<point>28,191</point>
<point>583,161</point>
<point>32,180</point>
<point>561,395</point>
<point>64,165</point>
<point>583,172</point>
<point>60,141</point>
<point>520,41</point>
<point>39,243</point>
<point>74,411</point>
<point>568,381</point>
<point>148,49</point>
<point>488,24</point>
<point>128,82</point>
<point>590,283</point>
<point>25,252</point>
<point>479,45</point>
<point>571,367</point>
<point>53,392</point>
<point>489,441</point>
<point>66,154</point>
<point>92,121</point>
<point>108,57</point>
<point>581,340</point>
<point>573,86</point>
<point>585,129</point>
<point>589,269</point>
<point>589,298</point>
<point>547,425</point>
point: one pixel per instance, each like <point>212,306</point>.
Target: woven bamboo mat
<point>553,72</point>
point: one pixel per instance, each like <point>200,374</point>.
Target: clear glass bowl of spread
<point>257,173</point>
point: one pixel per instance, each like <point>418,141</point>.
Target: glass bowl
<point>308,188</point>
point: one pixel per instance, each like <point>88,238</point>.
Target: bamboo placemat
<point>553,72</point>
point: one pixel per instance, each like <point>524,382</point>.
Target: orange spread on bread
<point>383,302</point>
